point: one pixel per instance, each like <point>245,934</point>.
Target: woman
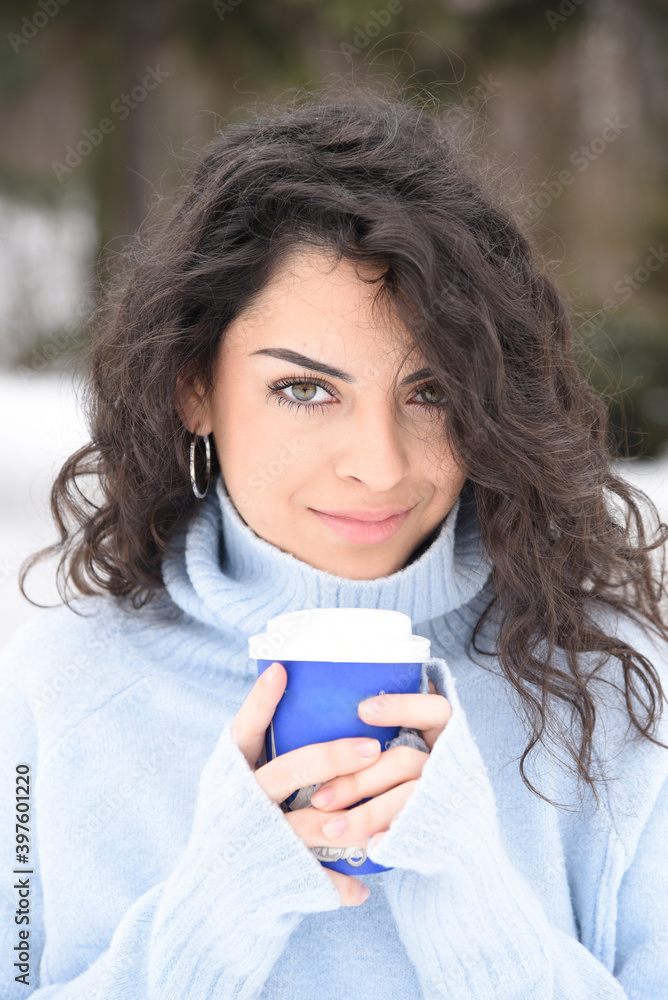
<point>337,325</point>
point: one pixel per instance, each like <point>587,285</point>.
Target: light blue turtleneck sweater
<point>158,868</point>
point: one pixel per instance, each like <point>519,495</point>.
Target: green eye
<point>432,389</point>
<point>299,387</point>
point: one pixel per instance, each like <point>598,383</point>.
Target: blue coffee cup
<point>335,658</point>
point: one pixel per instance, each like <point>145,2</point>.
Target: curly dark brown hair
<point>379,179</point>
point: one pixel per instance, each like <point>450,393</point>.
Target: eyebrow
<point>284,354</point>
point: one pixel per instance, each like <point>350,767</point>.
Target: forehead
<point>316,302</point>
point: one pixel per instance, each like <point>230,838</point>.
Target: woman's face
<point>294,440</point>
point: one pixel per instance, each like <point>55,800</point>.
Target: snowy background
<point>42,426</point>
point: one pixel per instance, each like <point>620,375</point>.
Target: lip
<point>363,531</point>
<point>360,514</point>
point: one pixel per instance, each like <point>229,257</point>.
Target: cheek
<point>255,446</point>
<point>439,461</point>
<point>245,439</point>
<point>448,478</point>
<point>452,473</point>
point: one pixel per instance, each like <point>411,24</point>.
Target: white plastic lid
<point>341,635</point>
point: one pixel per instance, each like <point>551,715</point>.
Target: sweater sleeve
<point>215,927</point>
<point>472,923</point>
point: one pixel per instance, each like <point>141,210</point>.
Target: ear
<point>191,405</point>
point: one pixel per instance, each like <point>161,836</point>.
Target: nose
<point>372,447</point>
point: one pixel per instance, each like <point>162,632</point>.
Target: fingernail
<point>322,797</point>
<point>364,892</point>
<point>372,707</point>
<point>335,827</point>
<point>367,747</point>
<point>269,674</point>
<point>376,839</point>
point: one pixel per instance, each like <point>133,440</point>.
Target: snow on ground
<point>41,427</point>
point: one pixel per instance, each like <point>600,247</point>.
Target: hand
<point>392,778</point>
<point>309,765</point>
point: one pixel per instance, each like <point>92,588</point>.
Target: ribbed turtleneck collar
<point>225,576</point>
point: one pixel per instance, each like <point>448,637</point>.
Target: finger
<point>393,767</point>
<point>428,713</point>
<point>315,763</point>
<point>351,891</point>
<point>252,720</point>
<point>352,827</point>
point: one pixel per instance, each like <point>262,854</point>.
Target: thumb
<point>252,720</point>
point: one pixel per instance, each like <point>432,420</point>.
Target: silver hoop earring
<point>193,478</point>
